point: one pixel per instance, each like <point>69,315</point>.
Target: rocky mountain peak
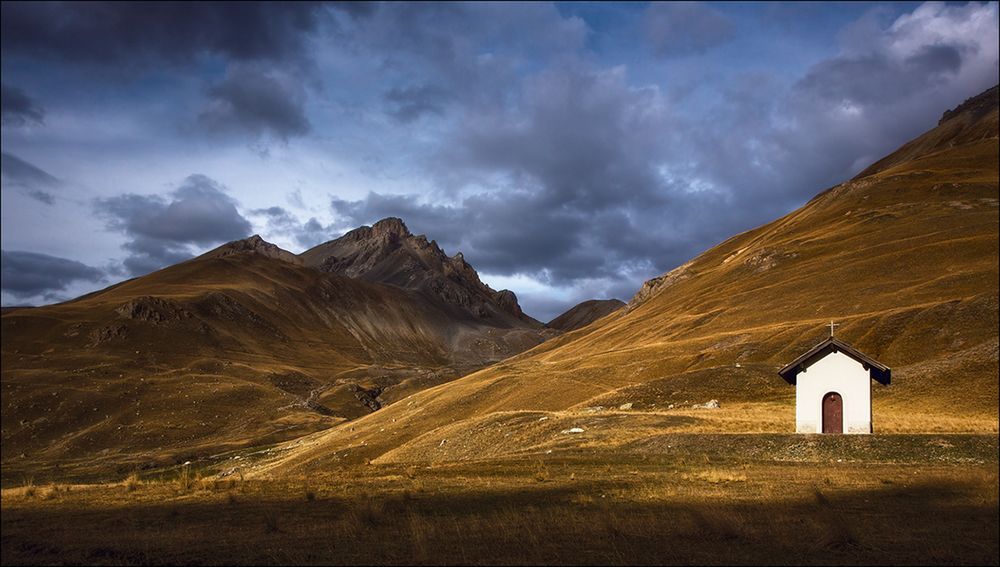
<point>387,252</point>
<point>507,300</point>
<point>253,245</point>
<point>391,226</point>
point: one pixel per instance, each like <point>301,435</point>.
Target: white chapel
<point>833,388</point>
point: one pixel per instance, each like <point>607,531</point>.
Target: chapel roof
<point>878,371</point>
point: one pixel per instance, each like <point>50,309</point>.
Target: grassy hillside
<point>584,313</point>
<point>903,258</point>
<point>224,351</point>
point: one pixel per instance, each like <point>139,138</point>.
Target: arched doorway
<point>833,413</point>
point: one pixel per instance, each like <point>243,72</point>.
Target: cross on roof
<point>832,325</point>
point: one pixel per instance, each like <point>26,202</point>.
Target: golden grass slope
<point>904,259</point>
<point>224,351</point>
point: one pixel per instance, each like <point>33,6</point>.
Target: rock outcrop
<point>976,106</point>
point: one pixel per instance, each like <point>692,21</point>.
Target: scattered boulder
<point>710,404</point>
<point>573,430</point>
<point>626,406</point>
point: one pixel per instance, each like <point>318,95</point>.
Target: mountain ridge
<point>387,252</point>
<point>174,364</point>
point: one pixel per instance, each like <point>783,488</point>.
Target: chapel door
<point>833,413</point>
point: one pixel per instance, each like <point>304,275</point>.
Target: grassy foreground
<point>901,499</point>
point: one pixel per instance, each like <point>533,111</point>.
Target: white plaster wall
<point>835,372</point>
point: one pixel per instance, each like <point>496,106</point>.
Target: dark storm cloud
<point>463,53</point>
<point>409,103</point>
<point>256,102</point>
<point>582,179</point>
<point>584,136</point>
<point>17,108</point>
<point>113,33</point>
<point>307,234</point>
<point>29,274</point>
<point>442,223</point>
<point>161,231</point>
<point>355,8</point>
<point>773,147</point>
<point>540,158</point>
<point>33,181</point>
<point>579,195</point>
<point>878,78</point>
<point>683,28</point>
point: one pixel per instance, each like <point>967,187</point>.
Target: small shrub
<point>411,472</point>
<point>310,495</point>
<point>542,474</point>
<point>207,484</point>
<point>132,482</point>
<point>185,480</point>
<point>29,488</point>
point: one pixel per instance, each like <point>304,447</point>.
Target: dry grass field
<point>670,499</point>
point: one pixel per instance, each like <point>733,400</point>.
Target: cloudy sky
<point>570,151</point>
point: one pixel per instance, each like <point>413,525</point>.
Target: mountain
<point>245,345</point>
<point>388,253</point>
<point>903,257</point>
<point>585,313</point>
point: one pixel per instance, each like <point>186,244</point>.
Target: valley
<point>373,394</point>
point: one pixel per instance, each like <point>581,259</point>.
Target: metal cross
<point>832,325</point>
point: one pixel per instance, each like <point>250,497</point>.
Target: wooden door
<point>833,413</point>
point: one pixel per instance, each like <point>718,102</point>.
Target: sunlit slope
<point>904,260</point>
